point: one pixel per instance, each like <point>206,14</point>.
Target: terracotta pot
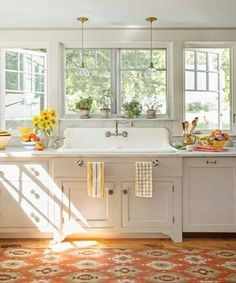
<point>84,113</point>
<point>151,114</point>
<point>104,113</point>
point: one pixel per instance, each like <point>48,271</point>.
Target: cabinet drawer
<point>209,162</point>
<point>23,171</point>
<point>115,167</point>
<point>23,205</point>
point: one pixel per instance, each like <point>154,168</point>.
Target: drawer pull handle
<point>37,196</point>
<point>80,162</point>
<point>125,192</point>
<point>211,162</point>
<point>110,192</point>
<point>155,162</point>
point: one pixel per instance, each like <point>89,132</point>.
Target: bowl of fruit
<point>29,141</point>
<point>218,138</point>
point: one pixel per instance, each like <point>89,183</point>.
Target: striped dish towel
<point>95,179</point>
<point>143,181</point>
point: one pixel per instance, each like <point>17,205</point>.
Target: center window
<point>119,75</point>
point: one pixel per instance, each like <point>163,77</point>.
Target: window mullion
<point>118,80</point>
<point>2,86</point>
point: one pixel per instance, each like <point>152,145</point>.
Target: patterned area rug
<point>121,265</point>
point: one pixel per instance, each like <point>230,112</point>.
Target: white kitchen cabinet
<point>120,214</point>
<point>24,199</point>
<point>209,195</point>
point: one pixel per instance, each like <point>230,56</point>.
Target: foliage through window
<point>134,84</point>
<point>25,85</point>
<point>98,84</point>
<point>109,82</point>
<point>207,87</point>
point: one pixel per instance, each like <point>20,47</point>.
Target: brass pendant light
<point>82,70</point>
<point>151,71</point>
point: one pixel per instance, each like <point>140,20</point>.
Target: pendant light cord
<point>82,49</point>
<point>151,43</point>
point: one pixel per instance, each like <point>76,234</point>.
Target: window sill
<point>115,119</point>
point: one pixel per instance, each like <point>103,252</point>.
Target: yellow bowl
<point>4,140</point>
<point>218,144</point>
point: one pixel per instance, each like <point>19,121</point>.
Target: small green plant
<point>84,103</point>
<point>132,109</point>
<point>104,101</point>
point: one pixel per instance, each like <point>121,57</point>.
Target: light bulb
<point>151,71</point>
<point>83,72</point>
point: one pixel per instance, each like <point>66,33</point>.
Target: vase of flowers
<point>43,124</point>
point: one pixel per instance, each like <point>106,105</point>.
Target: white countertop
<point>19,152</point>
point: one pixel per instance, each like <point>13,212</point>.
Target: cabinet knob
<point>35,172</point>
<point>110,192</point>
<point>211,162</point>
<point>1,174</point>
<point>36,218</point>
<point>37,196</point>
<point>125,192</point>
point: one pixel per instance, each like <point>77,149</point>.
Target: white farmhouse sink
<point>139,140</point>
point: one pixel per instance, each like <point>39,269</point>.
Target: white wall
<point>55,39</point>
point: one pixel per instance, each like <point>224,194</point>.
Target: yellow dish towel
<point>95,179</point>
<point>143,179</point>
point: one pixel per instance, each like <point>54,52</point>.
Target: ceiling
<point>118,13</point>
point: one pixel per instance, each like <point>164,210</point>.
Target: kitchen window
<point>134,84</point>
<point>118,73</point>
<point>23,84</point>
<point>98,62</point>
<point>208,87</point>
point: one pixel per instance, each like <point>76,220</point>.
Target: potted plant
<point>152,105</point>
<point>104,103</point>
<point>132,109</point>
<point>84,105</point>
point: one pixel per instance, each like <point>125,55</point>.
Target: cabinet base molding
<point>26,235</point>
<point>177,238</point>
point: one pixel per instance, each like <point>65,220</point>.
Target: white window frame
<point>115,74</point>
<point>232,47</point>
<point>19,45</point>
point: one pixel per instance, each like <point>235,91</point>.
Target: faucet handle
<point>57,141</point>
<point>124,134</point>
<point>107,134</point>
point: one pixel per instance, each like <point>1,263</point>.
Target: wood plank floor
<point>201,243</point>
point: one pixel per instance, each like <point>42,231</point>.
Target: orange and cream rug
<point>120,261</point>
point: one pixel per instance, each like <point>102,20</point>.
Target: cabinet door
<point>23,204</point>
<point>84,212</point>
<point>147,213</point>
<point>209,195</point>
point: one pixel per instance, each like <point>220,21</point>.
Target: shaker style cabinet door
<point>209,195</point>
<point>147,214</point>
<point>81,212</point>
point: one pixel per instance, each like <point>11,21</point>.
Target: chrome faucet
<point>124,134</point>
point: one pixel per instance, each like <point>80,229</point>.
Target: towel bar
<point>81,162</point>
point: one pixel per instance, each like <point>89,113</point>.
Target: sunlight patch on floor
<point>64,246</point>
